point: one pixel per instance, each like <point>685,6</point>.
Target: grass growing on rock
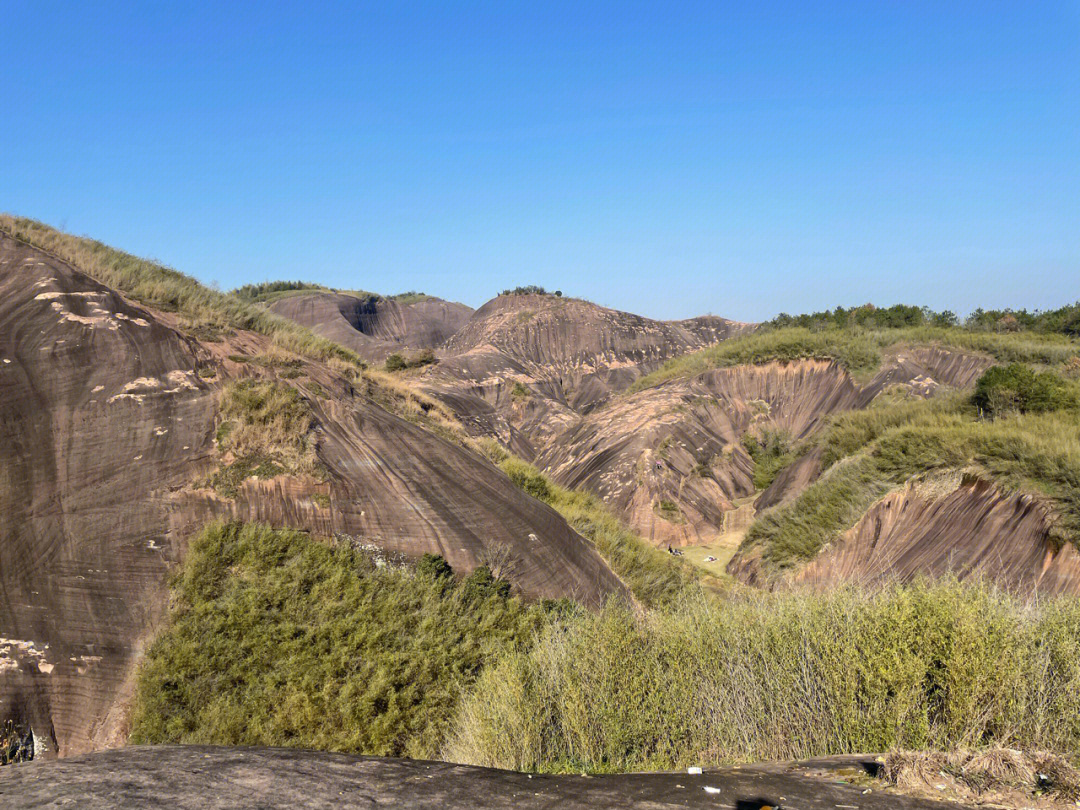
<point>266,428</point>
<point>275,638</point>
<point>781,676</point>
<point>859,349</point>
<point>169,290</point>
<point>654,577</point>
<point>872,452</point>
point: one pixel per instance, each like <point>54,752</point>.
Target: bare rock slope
<point>205,778</point>
<point>373,326</point>
<point>107,430</point>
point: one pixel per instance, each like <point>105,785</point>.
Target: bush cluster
<point>398,362</point>
<point>771,450</point>
<point>530,289</point>
<point>275,638</point>
<point>1019,388</point>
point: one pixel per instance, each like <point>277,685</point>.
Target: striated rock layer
<point>375,327</point>
<point>976,529</point>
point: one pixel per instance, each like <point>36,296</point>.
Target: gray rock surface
<point>207,778</point>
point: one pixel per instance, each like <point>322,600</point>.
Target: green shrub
<point>275,638</point>
<point>434,566</point>
<point>1017,387</point>
<point>397,362</point>
<point>771,450</point>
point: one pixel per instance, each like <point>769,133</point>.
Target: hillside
<point>692,431</point>
<point>374,326</point>
<point>116,448</point>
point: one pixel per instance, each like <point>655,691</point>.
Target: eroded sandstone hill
<point>373,326</point>
<point>680,443</point>
<point>545,376</point>
<point>108,418</point>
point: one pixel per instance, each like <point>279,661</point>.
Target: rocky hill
<point>689,441</point>
<point>374,326</point>
<point>113,454</point>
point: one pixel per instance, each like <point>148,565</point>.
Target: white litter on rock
<point>709,789</point>
<point>694,770</point>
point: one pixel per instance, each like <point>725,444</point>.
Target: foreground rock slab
<point>205,777</point>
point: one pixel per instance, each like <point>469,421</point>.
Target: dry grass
<point>1004,777</point>
<point>266,430</point>
<point>205,311</point>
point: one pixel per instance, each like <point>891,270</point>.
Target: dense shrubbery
<point>771,450</point>
<point>530,289</point>
<point>275,638</point>
<point>1018,388</point>
<point>278,639</point>
<point>1064,320</point>
<point>795,675</point>
<point>894,317</point>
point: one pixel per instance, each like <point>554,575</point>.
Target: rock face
<point>972,528</point>
<point>209,778</point>
<point>106,429</point>
<point>375,327</point>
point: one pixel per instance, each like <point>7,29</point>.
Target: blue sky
<point>665,158</point>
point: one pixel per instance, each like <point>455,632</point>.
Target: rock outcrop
<point>212,778</point>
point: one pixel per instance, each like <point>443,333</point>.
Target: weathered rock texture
<point>207,778</point>
<point>106,429</point>
<point>969,527</point>
<point>375,327</point>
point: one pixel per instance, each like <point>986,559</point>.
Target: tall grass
<point>761,677</point>
<point>278,639</point>
<point>166,289</point>
<point>859,350</point>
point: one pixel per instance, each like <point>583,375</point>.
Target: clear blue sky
<point>666,158</point>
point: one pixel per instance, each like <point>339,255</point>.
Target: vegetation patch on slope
<point>1033,444</point>
<point>859,349</point>
<point>781,676</point>
<point>275,638</point>
<point>655,578</point>
<point>266,429</point>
